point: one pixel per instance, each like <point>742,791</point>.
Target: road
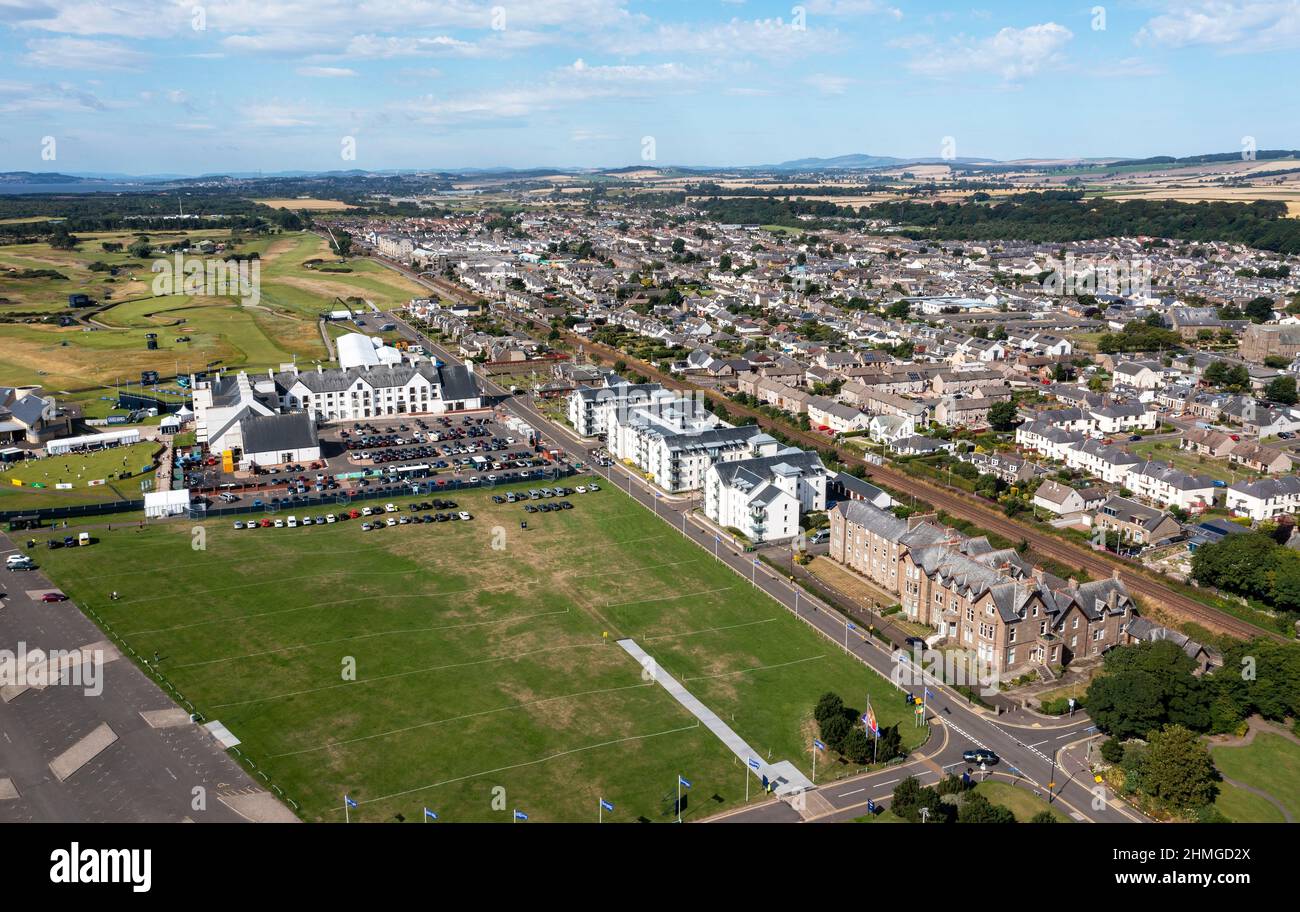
<point>1028,746</point>
<point>149,774</point>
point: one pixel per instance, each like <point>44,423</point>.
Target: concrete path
<point>784,773</point>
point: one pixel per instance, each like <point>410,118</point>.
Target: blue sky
<point>150,86</point>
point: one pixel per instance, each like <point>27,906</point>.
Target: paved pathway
<point>784,773</point>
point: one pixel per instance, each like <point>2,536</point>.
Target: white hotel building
<point>765,496</point>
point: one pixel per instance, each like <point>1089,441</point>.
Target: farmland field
<point>479,658</point>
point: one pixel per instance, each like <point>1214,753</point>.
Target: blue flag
<point>520,815</point>
<point>929,694</point>
<point>606,805</point>
<point>349,802</point>
<point>683,782</point>
<point>755,764</point>
<point>817,744</point>
<point>851,627</point>
<point>430,814</point>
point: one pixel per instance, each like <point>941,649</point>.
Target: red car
<point>54,597</point>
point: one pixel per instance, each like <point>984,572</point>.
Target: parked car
<point>54,597</point>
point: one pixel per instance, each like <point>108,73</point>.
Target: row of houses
<point>991,601</point>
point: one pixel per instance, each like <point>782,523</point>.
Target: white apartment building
<point>1164,484</point>
<point>764,497</point>
<point>675,447</point>
<point>591,406</point>
<point>1266,498</point>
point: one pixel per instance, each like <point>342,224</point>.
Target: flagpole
<point>347,818</point>
<point>814,778</point>
<point>679,797</point>
<point>600,811</point>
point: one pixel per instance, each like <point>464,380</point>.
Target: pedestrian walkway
<point>787,777</point>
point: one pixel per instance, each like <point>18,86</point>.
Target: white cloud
<point>829,84</point>
<point>81,54</point>
<point>768,38</point>
<point>1234,27</point>
<point>325,72</point>
<point>1011,54</point>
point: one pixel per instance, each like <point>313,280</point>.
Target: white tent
<point>166,503</point>
<point>107,439</point>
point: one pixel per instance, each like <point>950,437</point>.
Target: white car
<point>492,478</point>
<point>367,511</point>
<point>465,515</point>
<point>331,518</point>
<point>293,522</point>
<point>580,490</point>
<point>593,487</point>
<point>390,508</point>
<point>239,525</point>
<point>279,523</point>
<point>306,521</point>
<point>391,521</point>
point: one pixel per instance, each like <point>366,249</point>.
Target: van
<point>83,538</point>
<point>293,522</point>
<point>227,497</point>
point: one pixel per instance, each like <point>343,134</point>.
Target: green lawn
<point>1168,451</point>
<point>477,667</point>
<point>77,471</point>
<point>1020,800</point>
<point>1270,763</point>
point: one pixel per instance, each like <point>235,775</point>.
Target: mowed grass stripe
<point>440,626</point>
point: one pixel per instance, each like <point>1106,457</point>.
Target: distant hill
<point>865,162</point>
<point>11,178</point>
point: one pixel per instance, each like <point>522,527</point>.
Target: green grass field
<point>1271,764</point>
<point>1019,800</point>
<point>77,471</point>
<point>480,662</point>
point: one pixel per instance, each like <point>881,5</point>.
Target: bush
<point>1112,751</point>
<point>1060,706</point>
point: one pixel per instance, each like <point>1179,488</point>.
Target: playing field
<point>482,682</point>
<point>77,471</point>
<point>1271,764</point>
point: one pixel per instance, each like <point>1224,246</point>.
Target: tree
<point>1147,685</point>
<point>910,797</point>
<point>1003,416</point>
<point>828,706</point>
<point>1282,389</point>
<point>1259,310</point>
<point>1177,770</point>
<point>975,808</point>
<point>898,310</point>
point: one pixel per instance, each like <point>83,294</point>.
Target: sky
<point>159,86</point>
